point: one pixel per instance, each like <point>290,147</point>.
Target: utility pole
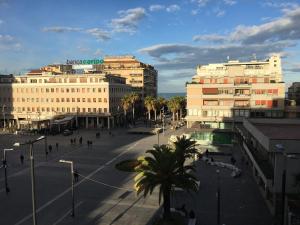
<point>31,153</point>
<point>72,184</point>
<point>4,162</point>
<point>218,199</point>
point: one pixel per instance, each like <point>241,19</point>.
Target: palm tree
<point>161,102</point>
<point>155,106</point>
<point>133,97</point>
<point>182,103</point>
<point>125,101</point>
<point>160,169</point>
<point>149,105</point>
<point>184,148</point>
<point>174,106</point>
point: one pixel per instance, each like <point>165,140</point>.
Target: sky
<point>174,36</point>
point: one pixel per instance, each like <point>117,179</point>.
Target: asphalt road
<point>104,195</point>
<point>113,202</point>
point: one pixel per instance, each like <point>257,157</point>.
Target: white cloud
<point>210,37</point>
<point>99,34</point>
<point>128,20</point>
<point>59,29</point>
<point>173,8</point>
<point>98,52</point>
<point>154,8</point>
<point>201,3</point>
<point>230,2</point>
<point>1,22</point>
<point>281,5</point>
<point>181,56</point>
<point>220,13</point>
<point>8,43</point>
<point>286,27</point>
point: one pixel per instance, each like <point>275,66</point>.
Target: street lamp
<point>5,168</point>
<point>30,143</point>
<point>218,199</point>
<point>72,183</point>
<point>163,119</point>
<point>3,111</point>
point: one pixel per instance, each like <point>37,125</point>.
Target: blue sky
<point>174,36</point>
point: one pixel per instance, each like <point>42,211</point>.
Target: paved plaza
<point>104,195</point>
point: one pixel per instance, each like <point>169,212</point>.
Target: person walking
<point>80,140</point>
<point>56,145</point>
<point>22,158</point>
<point>76,175</point>
<point>50,148</point>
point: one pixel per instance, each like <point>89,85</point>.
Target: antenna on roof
<point>228,58</point>
<point>254,56</point>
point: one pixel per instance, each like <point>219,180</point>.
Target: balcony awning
<point>63,121</point>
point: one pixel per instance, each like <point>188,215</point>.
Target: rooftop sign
<point>85,62</point>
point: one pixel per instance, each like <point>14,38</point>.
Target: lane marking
<point>66,214</point>
<point>77,184</point>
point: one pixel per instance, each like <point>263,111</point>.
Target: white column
<point>87,122</point>
<point>108,123</point>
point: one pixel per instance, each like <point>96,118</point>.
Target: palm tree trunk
<point>155,115</point>
<point>167,212</point>
<point>133,112</point>
<point>149,114</point>
<point>173,116</point>
<point>160,115</point>
<point>180,113</point>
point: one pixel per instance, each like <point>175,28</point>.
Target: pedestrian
<point>74,140</point>
<point>192,214</point>
<point>50,148</point>
<point>76,175</point>
<point>109,133</point>
<point>80,140</point>
<point>22,158</point>
<point>91,143</point>
<point>71,141</point>
<point>88,143</point>
<point>46,155</point>
<point>56,145</point>
<point>206,153</point>
<point>232,160</point>
<point>212,159</point>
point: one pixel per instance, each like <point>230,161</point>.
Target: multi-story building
<point>221,94</point>
<point>90,100</point>
<point>294,92</point>
<point>271,148</point>
<point>142,77</point>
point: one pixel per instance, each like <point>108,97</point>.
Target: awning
<point>64,120</point>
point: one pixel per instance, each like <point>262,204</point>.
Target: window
<point>78,99</point>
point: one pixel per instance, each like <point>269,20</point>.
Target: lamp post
<point>5,168</point>
<point>163,119</point>
<point>218,199</point>
<point>31,152</point>
<point>3,111</point>
<point>72,184</point>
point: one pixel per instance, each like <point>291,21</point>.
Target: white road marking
<point>67,190</point>
<point>66,214</point>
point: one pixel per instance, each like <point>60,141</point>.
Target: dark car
<point>67,132</point>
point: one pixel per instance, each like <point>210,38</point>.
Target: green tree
<point>133,97</point>
<point>174,106</point>
<point>148,102</point>
<point>184,148</point>
<point>125,102</point>
<point>162,170</point>
<point>161,102</point>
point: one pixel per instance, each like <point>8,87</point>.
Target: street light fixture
<point>5,168</point>
<point>72,184</point>
<point>218,199</point>
<point>3,111</point>
<point>281,149</point>
<point>31,152</point>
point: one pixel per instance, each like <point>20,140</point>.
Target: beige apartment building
<point>222,94</point>
<point>140,76</point>
<point>43,99</point>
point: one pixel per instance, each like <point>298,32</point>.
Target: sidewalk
<point>241,201</point>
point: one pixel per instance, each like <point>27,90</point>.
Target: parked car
<point>67,132</point>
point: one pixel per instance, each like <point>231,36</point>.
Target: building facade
<point>91,100</point>
<point>140,76</point>
<point>294,92</point>
<point>221,94</point>
<point>271,147</point>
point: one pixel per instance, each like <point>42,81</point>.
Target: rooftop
<point>279,131</point>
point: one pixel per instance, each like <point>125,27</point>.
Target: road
<point>113,202</point>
